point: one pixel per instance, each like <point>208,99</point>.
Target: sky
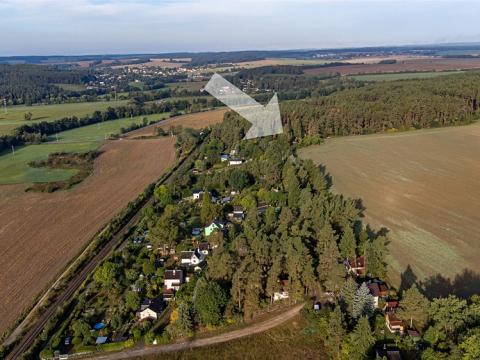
<point>74,27</point>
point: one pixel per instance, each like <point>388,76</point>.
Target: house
<point>389,354</point>
<point>204,248</point>
<point>150,309</point>
<point>357,266</point>
<point>191,258</point>
<point>237,213</point>
<point>196,231</point>
<point>224,157</point>
<point>414,335</point>
<point>235,161</point>
<point>173,279</point>
<point>168,294</point>
<point>262,207</point>
<point>280,295</point>
<point>101,340</point>
<point>390,306</point>
<point>197,194</point>
<point>283,293</point>
<point>378,290</point>
<point>226,200</point>
<point>393,323</point>
<point>214,226</point>
<point>238,209</point>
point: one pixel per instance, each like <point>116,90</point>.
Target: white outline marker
<point>265,120</point>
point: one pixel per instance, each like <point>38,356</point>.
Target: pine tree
<point>347,244</point>
<point>348,292</point>
<point>328,258</point>
<point>375,255</point>
<point>363,302</point>
<point>335,333</point>
<point>414,307</point>
<point>361,340</point>
<point>325,237</point>
<point>184,319</point>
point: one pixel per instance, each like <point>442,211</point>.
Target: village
<point>164,271</point>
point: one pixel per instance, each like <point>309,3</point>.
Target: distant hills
<point>203,58</point>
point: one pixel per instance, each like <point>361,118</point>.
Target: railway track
<point>32,334</point>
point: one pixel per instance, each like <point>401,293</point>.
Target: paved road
<point>232,335</point>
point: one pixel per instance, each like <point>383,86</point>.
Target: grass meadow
<point>14,169</point>
<point>292,340</point>
<point>15,115</point>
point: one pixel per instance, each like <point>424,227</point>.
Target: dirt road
<point>232,335</point>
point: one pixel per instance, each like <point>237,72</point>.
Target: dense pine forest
<point>29,84</point>
<point>399,105</point>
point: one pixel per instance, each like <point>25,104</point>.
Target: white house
<point>191,258</point>
<point>233,162</point>
<point>173,279</point>
<point>281,295</point>
<point>150,309</point>
<point>197,194</point>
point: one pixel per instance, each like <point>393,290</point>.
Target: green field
<point>403,76</point>
<point>101,131</point>
<point>15,115</point>
<point>191,85</point>
<point>14,169</point>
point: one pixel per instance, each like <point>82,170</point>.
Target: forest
<point>30,84</point>
<point>388,106</point>
<point>289,82</point>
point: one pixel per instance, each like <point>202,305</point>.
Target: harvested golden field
<point>41,233</point>
<point>426,64</point>
<point>195,120</point>
<point>421,185</point>
<point>164,63</point>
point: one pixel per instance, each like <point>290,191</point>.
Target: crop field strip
<point>423,65</point>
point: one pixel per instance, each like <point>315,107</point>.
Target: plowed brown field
<point>41,233</point>
<point>400,66</point>
<point>421,185</point>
